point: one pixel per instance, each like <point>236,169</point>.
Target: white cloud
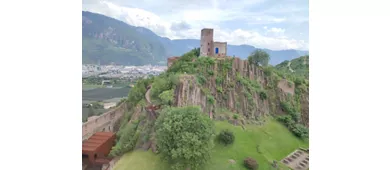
<point>195,18</point>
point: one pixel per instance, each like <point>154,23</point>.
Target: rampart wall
<point>105,122</point>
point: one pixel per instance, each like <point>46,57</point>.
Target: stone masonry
<point>210,48</point>
<point>104,122</point>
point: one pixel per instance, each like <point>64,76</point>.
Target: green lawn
<point>274,141</point>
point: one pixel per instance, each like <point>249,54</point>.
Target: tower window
<point>208,49</point>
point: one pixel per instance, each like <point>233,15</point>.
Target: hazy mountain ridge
<point>107,40</point>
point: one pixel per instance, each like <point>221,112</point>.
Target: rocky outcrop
<point>233,91</point>
<point>305,109</point>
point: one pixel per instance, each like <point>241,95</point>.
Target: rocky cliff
<point>239,87</point>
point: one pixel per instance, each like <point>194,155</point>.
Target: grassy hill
<point>266,143</point>
<point>298,66</point>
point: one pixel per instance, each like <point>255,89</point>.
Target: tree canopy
<point>259,57</point>
<point>185,137</point>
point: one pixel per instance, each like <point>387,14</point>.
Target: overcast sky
<point>272,24</point>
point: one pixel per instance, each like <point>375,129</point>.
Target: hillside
<point>248,99</point>
<point>107,40</point>
<point>298,66</point>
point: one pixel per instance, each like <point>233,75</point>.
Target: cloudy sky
<point>272,24</point>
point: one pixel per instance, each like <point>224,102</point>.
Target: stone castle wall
<point>103,123</point>
<point>207,42</point>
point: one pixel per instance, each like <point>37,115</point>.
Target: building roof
<point>96,140</point>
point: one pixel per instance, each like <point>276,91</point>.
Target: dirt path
<point>288,65</point>
<point>147,95</point>
<point>151,111</point>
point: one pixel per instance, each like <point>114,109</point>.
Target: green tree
<point>185,137</point>
<point>197,52</point>
<point>259,57</point>
<point>226,137</point>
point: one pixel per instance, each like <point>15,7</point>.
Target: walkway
<point>150,108</point>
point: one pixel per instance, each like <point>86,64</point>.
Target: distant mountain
<point>107,40</point>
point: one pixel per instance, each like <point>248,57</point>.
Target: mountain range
<point>107,40</point>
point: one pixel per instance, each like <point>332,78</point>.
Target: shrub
<point>226,137</point>
<point>286,107</point>
<point>235,116</point>
<point>180,139</point>
<point>201,79</point>
<point>298,81</point>
<point>286,120</point>
<point>210,99</point>
<point>300,131</point>
<point>251,163</point>
<point>296,116</point>
<point>263,95</point>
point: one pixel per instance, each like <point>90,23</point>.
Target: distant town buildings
<point>125,72</point>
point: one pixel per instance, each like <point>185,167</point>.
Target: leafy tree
<point>196,52</point>
<point>226,137</point>
<point>259,57</point>
<point>184,137</point>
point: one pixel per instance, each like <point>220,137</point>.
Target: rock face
<point>232,91</point>
<point>305,109</point>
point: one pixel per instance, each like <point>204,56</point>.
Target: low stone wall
<point>104,122</point>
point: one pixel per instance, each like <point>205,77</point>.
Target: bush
<point>286,120</point>
<point>263,95</point>
<point>251,163</point>
<point>184,137</point>
<point>296,116</point>
<point>298,81</point>
<point>235,116</point>
<point>226,137</point>
<point>300,131</point>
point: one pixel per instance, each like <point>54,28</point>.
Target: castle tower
<point>207,42</point>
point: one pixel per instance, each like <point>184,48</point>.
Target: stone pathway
<point>297,160</point>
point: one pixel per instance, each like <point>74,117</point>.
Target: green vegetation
<point>122,43</point>
<point>141,160</point>
<point>92,109</point>
<point>259,57</point>
<point>100,94</point>
<point>226,137</point>
<point>265,144</point>
<point>300,67</point>
<point>184,137</point>
<point>126,143</point>
<point>292,119</point>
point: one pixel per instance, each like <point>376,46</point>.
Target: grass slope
<point>274,140</point>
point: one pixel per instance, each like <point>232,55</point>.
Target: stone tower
<point>207,42</point>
